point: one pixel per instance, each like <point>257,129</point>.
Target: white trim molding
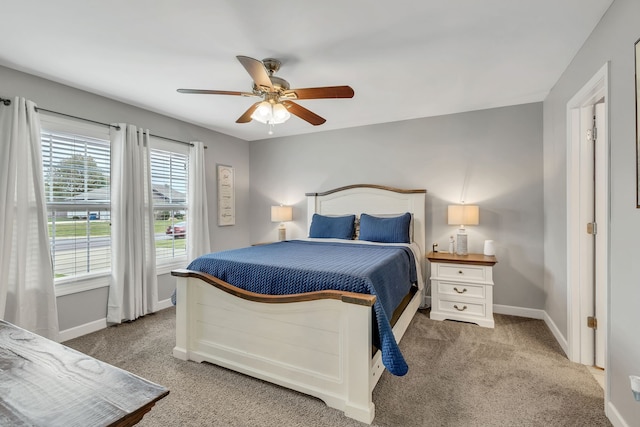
<point>532,313</point>
<point>556,333</point>
<point>614,416</point>
<point>97,325</point>
<point>166,303</point>
<point>87,328</point>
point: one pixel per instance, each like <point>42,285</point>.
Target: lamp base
<point>461,244</point>
<point>282,233</point>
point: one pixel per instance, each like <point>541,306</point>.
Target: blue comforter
<point>305,266</point>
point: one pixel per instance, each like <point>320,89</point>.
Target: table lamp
<point>281,214</point>
<point>462,215</point>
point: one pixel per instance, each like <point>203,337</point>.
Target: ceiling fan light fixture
<point>269,113</point>
<point>280,113</point>
<point>263,112</point>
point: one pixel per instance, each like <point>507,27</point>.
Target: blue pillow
<point>385,229</point>
<point>332,227</point>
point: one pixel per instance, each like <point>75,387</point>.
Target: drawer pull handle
<point>460,272</point>
<point>460,291</point>
<point>464,307</point>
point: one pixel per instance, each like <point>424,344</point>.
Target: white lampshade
<point>463,215</point>
<point>281,213</point>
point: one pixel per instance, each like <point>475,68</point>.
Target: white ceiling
<point>404,59</point>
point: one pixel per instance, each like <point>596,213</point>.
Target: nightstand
<point>462,287</point>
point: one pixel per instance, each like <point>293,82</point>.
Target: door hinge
<point>592,228</point>
<point>592,322</point>
<point>595,133</point>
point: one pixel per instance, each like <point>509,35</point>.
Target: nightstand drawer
<point>461,289</point>
<point>460,271</point>
<point>461,308</point>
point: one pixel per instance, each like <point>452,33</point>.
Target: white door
<point>586,235</point>
<point>600,245</point>
<point>592,247</point>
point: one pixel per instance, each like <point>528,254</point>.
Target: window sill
<point>102,281</point>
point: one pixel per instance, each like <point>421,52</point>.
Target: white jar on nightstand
<point>462,287</point>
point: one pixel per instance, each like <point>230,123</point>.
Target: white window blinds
<point>77,176</point>
<point>169,178</point>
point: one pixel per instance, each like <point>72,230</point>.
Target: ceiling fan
<point>277,103</point>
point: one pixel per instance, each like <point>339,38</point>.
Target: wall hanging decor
<point>226,196</point>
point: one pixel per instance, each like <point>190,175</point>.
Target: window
<point>77,167</point>
<point>76,177</point>
<point>169,177</point>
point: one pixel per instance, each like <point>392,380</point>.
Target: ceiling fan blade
<point>320,92</point>
<point>303,113</point>
<point>215,92</point>
<point>257,71</point>
<point>246,117</point>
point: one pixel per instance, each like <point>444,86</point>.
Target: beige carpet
<point>459,375</point>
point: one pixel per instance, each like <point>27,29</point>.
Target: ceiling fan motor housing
<point>279,85</point>
<point>272,65</point>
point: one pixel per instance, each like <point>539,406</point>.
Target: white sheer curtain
<point>133,291</point>
<point>27,294</point>
<point>197,215</point>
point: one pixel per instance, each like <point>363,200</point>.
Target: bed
<point>320,343</point>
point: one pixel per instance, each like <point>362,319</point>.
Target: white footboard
<point>319,347</point>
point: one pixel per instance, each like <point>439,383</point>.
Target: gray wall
<point>81,308</point>
<point>612,40</point>
<point>492,158</point>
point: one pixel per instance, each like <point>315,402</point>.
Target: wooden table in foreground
<point>43,383</point>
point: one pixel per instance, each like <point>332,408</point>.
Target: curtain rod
<point>38,109</point>
<point>8,102</point>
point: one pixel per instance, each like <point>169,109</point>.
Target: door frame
<point>577,330</point>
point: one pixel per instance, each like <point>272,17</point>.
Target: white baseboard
<point>614,416</point>
<point>531,313</point>
<point>557,334</point>
<point>78,331</point>
<point>164,304</point>
<point>96,325</point>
